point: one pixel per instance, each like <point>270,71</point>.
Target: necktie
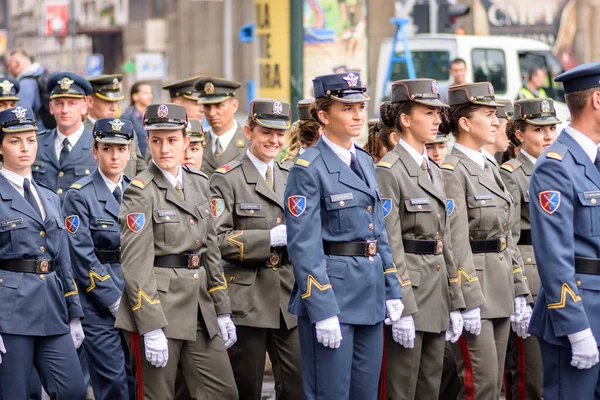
<point>179,190</point>
<point>117,193</point>
<point>425,168</point>
<point>28,194</point>
<point>218,148</point>
<point>64,152</point>
<point>597,160</point>
<point>354,166</point>
<point>269,177</point>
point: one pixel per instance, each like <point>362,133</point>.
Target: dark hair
<point>136,88</point>
<point>303,132</point>
<point>390,113</point>
<point>458,112</point>
<point>458,60</point>
<point>577,101</point>
<point>96,144</point>
<point>322,104</point>
<point>379,136</point>
<point>512,126</point>
<point>21,52</point>
<point>532,71</point>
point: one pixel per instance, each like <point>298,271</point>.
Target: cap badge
<point>490,88</point>
<point>19,112</point>
<point>435,89</point>
<point>115,84</point>
<point>351,79</point>
<point>116,125</point>
<point>545,106</point>
<point>209,88</point>
<point>277,108</point>
<point>163,111</point>
<point>65,83</point>
<point>188,128</point>
<point>6,86</point>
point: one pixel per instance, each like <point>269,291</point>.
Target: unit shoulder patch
<point>384,164</point>
<point>508,167</point>
<point>554,155</point>
<point>228,167</point>
<point>302,162</point>
<point>448,166</point>
<point>76,186</point>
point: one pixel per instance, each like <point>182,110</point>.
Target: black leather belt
<point>423,246</point>
<point>584,265</point>
<point>359,249</point>
<point>190,261</point>
<point>28,266</point>
<point>278,257</point>
<point>108,256</point>
<point>497,245</point>
<point>525,238</point>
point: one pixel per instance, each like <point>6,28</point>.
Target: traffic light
<point>448,15</point>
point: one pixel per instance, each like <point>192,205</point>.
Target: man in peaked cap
<point>225,140</point>
<point>9,93</point>
<point>564,194</point>
<point>65,152</point>
<point>184,93</point>
<point>103,103</point>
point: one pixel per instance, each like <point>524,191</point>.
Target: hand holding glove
<point>76,332</point>
<point>584,349</point>
<point>472,320</point>
<point>227,329</point>
<point>157,348</point>
<point>329,333</point>
<point>456,326</point>
<point>403,331</point>
<point>2,349</point>
<point>278,236</point>
<point>114,308</point>
<point>394,310</point>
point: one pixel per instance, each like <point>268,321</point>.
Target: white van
<point>501,60</point>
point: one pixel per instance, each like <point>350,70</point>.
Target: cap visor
<point>439,140</point>
<point>352,98</point>
<point>67,95</point>
<point>113,141</point>
<point>8,98</point>
<point>432,103</point>
<point>20,128</point>
<point>164,127</point>
<point>274,123</point>
<point>213,99</point>
<point>490,103</point>
<point>544,121</point>
<point>110,96</point>
<point>196,140</point>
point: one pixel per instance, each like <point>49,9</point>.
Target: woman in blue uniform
<point>39,307</point>
<point>345,275</point>
<point>91,208</point>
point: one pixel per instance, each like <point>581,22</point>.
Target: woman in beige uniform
<point>534,127</point>
<point>480,210</point>
<point>415,213</point>
<point>247,203</point>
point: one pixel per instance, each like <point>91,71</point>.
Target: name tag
<point>104,222</point>
<point>343,196</point>
<point>250,206</point>
<point>422,200</point>
<point>167,213</point>
<point>591,195</point>
<point>483,197</point>
<point>13,221</point>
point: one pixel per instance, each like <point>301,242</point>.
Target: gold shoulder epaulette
<point>508,167</point>
<point>448,166</point>
<point>139,183</point>
<point>554,155</point>
<point>76,186</point>
<point>303,162</point>
<point>384,164</point>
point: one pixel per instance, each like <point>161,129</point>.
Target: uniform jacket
<point>568,227</point>
<point>90,204</point>
<point>417,211</point>
<point>234,151</point>
<point>516,174</point>
<point>259,293</point>
<point>481,208</point>
<point>156,221</point>
<point>35,304</point>
<point>332,203</point>
<point>79,163</point>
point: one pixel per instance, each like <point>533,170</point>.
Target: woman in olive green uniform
<point>247,203</point>
<point>480,209</point>
<point>415,213</point>
<point>534,127</point>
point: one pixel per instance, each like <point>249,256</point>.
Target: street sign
<point>150,66</point>
<point>94,65</point>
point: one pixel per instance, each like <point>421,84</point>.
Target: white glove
<point>403,331</point>
<point>456,326</point>
<point>157,348</point>
<point>76,332</point>
<point>394,310</point>
<point>2,348</point>
<point>472,320</point>
<point>519,319</point>
<point>227,329</point>
<point>279,236</point>
<point>329,333</point>
<point>114,308</point>
<point>584,349</point>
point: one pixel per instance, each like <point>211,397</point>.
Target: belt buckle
<point>42,267</point>
<point>371,247</point>
<point>193,261</point>
<point>439,247</point>
<point>502,243</point>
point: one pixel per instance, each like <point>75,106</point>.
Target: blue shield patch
<point>450,206</point>
<point>136,221</point>
<point>72,223</point>
<point>296,205</point>
<point>550,200</point>
<point>217,206</point>
<point>386,205</point>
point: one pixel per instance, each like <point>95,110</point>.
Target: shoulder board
<point>194,170</point>
<point>45,186</point>
<point>555,155</point>
<point>81,183</point>
<point>389,159</point>
<point>304,163</point>
<point>228,167</point>
<point>511,165</point>
<point>450,162</point>
<point>448,166</point>
<point>142,179</point>
<point>306,158</point>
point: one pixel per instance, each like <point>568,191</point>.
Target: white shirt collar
<point>225,138</point>
<point>590,148</point>
<point>301,150</point>
<point>73,139</point>
<point>172,179</point>
<point>344,154</point>
<point>474,155</point>
<point>415,154</point>
<point>260,165</point>
<point>529,156</point>
<point>111,185</point>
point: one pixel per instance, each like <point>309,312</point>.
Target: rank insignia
<point>449,206</point>
<point>435,88</point>
<point>19,112</point>
<point>296,205</point>
<point>136,221</point>
<point>72,223</point>
<point>351,79</point>
<point>545,106</point>
<point>6,86</point>
<point>217,206</point>
<point>386,204</point>
<point>277,108</point>
<point>550,200</point>
<point>163,111</point>
<point>65,83</point>
<point>116,124</point>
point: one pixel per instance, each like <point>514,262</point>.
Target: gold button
<point>59,191</point>
<point>278,220</point>
<point>61,174</point>
<point>501,257</point>
<point>578,283</point>
<point>197,242</point>
<point>437,268</point>
<point>483,202</point>
<point>196,276</point>
<point>87,171</point>
<point>370,259</point>
<point>42,249</point>
<point>37,168</point>
<point>232,278</point>
<point>192,222</point>
<point>594,201</point>
<point>419,207</point>
<point>342,203</point>
<point>13,225</point>
<point>0,280</point>
<point>504,226</point>
<point>437,235</point>
<point>369,209</point>
<point>371,227</point>
<point>251,212</point>
<point>42,277</point>
<point>506,209</point>
<point>529,260</point>
<point>167,218</point>
<point>104,226</point>
<point>42,233</point>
